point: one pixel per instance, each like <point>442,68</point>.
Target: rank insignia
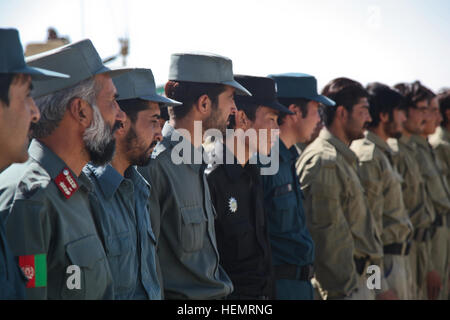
<point>232,205</point>
<point>66,183</point>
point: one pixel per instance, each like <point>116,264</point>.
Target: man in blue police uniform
<point>120,205</point>
<point>292,245</point>
<point>17,111</point>
<point>237,192</point>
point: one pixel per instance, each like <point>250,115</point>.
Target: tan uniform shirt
<point>383,188</point>
<point>435,185</point>
<point>337,213</point>
<point>440,141</point>
<point>414,196</point>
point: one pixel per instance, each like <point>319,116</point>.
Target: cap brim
<point>238,87</point>
<point>160,99</point>
<point>41,74</point>
<point>113,72</point>
<point>324,100</point>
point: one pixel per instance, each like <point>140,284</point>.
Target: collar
<point>108,179</point>
<point>53,164</point>
<point>443,134</point>
<point>286,154</point>
<point>419,140</point>
<point>340,146</point>
<point>235,170</point>
<point>172,137</point>
<point>378,141</point>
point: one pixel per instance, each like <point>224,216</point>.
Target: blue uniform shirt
<point>121,213</point>
<point>12,280</point>
<point>289,237</point>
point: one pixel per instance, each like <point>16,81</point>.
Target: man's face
<point>306,126</point>
<point>107,116</point>
<point>265,118</point>
<point>433,117</point>
<point>106,100</point>
<point>357,120</point>
<point>394,127</point>
<point>220,114</point>
<point>143,135</point>
<point>16,118</point>
<point>416,118</point>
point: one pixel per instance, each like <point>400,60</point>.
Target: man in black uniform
<point>237,193</point>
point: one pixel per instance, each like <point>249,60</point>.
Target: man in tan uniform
<point>440,141</point>
<point>336,208</point>
<point>437,191</point>
<point>383,186</point>
<point>416,196</point>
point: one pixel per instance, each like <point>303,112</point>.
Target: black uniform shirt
<point>241,230</point>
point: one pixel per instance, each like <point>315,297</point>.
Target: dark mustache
<point>117,125</point>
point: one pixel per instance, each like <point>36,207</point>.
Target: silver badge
<point>232,205</point>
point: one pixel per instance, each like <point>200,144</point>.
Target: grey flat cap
<point>140,83</point>
<point>205,68</point>
<point>13,61</point>
<point>80,60</point>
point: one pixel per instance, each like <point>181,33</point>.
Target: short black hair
<point>5,82</point>
<point>188,93</point>
<point>302,103</point>
<point>444,105</point>
<point>132,107</point>
<point>345,92</point>
<point>383,99</point>
<point>414,93</point>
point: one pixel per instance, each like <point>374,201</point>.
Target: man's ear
<point>341,113</point>
<point>124,127</point>
<point>81,112</point>
<point>384,117</point>
<point>293,108</point>
<point>203,105</point>
<point>242,122</point>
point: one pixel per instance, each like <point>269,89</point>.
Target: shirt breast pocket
<point>283,215</point>
<point>119,251</point>
<point>94,277</point>
<point>193,228</point>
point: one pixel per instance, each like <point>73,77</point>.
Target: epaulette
<point>32,180</point>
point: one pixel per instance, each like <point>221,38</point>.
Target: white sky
<point>368,40</point>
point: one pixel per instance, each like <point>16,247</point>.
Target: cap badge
<point>232,205</point>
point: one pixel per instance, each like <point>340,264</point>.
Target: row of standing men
<point>90,216</point>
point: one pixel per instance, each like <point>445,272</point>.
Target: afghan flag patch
<point>35,269</point>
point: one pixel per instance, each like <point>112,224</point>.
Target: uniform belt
<point>360,264</point>
<point>398,248</point>
<point>422,234</point>
<point>293,272</point>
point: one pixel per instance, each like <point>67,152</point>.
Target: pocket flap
<point>118,244</point>
<point>85,252</point>
<point>192,215</point>
<point>285,201</point>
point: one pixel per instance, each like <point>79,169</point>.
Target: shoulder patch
<point>66,183</point>
<point>33,179</point>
